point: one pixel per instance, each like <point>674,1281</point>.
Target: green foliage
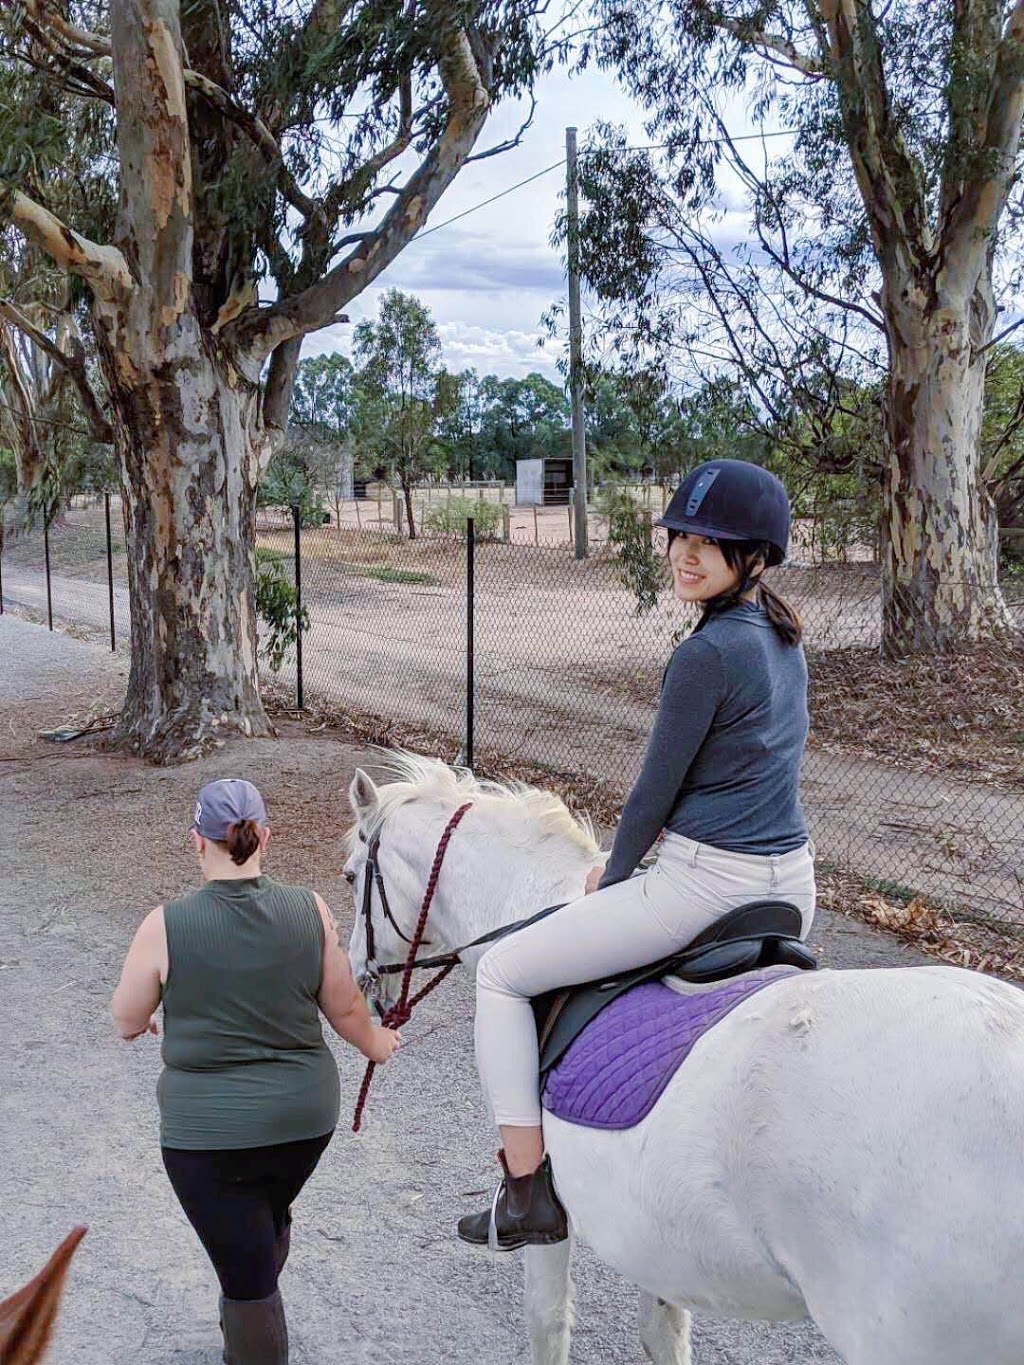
<point>323,396</point>
<point>287,483</point>
<point>402,391</point>
<point>896,890</point>
<point>451,516</point>
<point>629,531</point>
<point>387,573</point>
<point>276,608</point>
<point>8,476</point>
<point>1002,433</point>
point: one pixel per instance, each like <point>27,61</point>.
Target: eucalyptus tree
<point>405,390</point>
<point>884,205</point>
<point>297,147</point>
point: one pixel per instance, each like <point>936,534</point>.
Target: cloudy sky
<point>488,278</point>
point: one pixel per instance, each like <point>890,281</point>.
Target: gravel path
<point>88,842</point>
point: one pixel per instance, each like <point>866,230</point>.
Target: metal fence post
<point>470,651</point>
<point>110,569</point>
<point>46,551</point>
<point>297,519</point>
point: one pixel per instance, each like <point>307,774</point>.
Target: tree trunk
<point>939,535</point>
<point>407,490</point>
<point>190,449</point>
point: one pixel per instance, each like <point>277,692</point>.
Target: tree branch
<point>972,219</point>
<point>887,175</point>
<point>259,331</point>
<point>104,268</point>
<point>767,42</point>
<point>254,128</point>
<point>258,132</point>
<point>353,189</point>
<point>43,14</point>
<point>73,365</point>
<point>155,152</point>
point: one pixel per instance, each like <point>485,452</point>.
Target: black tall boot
<point>255,1332</point>
<point>525,1212</point>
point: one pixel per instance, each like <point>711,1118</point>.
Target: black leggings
<point>238,1202</point>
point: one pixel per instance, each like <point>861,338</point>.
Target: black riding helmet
<point>732,500</point>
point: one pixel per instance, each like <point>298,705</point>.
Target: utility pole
<point>579,435</point>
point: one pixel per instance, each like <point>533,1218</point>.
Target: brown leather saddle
<point>764,933</point>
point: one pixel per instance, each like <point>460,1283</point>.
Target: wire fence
<point>914,777</point>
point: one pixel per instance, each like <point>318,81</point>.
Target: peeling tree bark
<point>939,531</point>
<point>183,343</point>
<point>187,425</point>
<point>939,535</point>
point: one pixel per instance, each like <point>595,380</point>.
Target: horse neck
<point>487,882</point>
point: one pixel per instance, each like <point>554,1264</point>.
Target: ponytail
<point>243,840</point>
<point>786,619</point>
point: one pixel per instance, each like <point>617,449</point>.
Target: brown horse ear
<point>27,1318</point>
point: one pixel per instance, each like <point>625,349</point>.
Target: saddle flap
<point>759,934</point>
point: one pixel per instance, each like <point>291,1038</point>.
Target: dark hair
<point>750,558</point>
<point>243,840</point>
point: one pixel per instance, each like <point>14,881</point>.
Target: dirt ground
<point>88,842</point>
<point>567,676</point>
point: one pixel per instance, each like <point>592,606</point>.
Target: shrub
<point>640,569</point>
<point>275,607</point>
<point>452,516</point>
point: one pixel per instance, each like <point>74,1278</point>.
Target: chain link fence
<point>914,777</point>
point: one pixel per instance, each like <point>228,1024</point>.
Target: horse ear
<point>362,795</point>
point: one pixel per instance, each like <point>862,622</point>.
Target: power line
<point>556,165</point>
<point>493,199</point>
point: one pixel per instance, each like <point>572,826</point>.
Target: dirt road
<point>88,843</point>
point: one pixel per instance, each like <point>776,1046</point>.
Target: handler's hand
<point>593,878</point>
<point>384,1043</point>
<point>152,1027</point>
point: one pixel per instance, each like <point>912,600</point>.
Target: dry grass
<point>959,714</point>
<point>938,932</point>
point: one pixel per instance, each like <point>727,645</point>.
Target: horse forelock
<point>422,779</point>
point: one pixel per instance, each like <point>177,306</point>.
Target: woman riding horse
<point>720,778</point>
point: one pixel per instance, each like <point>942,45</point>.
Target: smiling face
<point>699,569</point>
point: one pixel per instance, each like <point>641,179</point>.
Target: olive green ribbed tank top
<point>245,1062</point>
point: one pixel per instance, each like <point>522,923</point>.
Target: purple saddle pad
<point>613,1074</point>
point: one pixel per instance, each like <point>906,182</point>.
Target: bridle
<point>401,1011</point>
<point>373,877</point>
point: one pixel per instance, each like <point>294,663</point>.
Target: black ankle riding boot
<point>525,1212</point>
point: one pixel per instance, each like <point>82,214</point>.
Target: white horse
<point>846,1146</point>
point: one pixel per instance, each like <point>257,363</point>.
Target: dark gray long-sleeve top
<point>723,762</point>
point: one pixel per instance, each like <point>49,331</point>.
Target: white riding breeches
<point>622,926</point>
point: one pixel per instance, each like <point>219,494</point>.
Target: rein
<point>401,1010</point>
<point>454,958</point>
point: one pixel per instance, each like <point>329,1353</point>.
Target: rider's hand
<point>383,1044</point>
<point>593,878</point>
<point>152,1027</point>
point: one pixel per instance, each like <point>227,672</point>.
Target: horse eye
<point>350,876</point>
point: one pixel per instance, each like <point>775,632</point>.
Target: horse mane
<point>417,778</point>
